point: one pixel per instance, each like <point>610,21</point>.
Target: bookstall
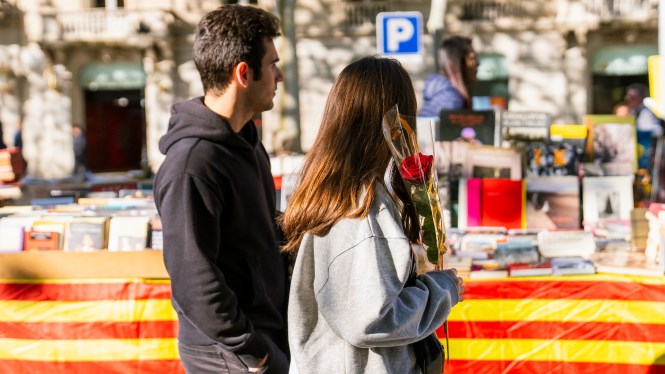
<point>568,324</point>
<point>101,312</point>
<point>109,312</point>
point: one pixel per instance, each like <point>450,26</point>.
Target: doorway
<point>115,129</point>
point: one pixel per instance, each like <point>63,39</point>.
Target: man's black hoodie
<point>216,199</point>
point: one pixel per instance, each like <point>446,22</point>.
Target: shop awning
<point>112,76</point>
<point>622,60</point>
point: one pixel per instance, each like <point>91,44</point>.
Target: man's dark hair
<point>227,36</point>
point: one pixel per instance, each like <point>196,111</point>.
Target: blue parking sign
<point>399,33</point>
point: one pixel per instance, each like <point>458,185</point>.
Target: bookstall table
<point>597,323</point>
<point>99,312</point>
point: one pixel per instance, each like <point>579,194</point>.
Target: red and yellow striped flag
<point>569,325</point>
<point>87,326</point>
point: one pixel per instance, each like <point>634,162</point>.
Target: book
<point>612,140</point>
<point>491,202</point>
<point>503,203</point>
<point>42,240</point>
<point>52,224</point>
<point>606,198</point>
<point>566,243</point>
<point>461,264</point>
<point>527,269</point>
<point>553,202</point>
<point>12,234</point>
<point>155,235</point>
<point>639,228</point>
<point>487,269</point>
<point>573,134</point>
<point>572,266</point>
<point>483,123</point>
<point>512,250</point>
<point>474,188</point>
<point>86,234</point>
<point>626,260</point>
<point>128,233</point>
<point>519,128</point>
<point>491,162</point>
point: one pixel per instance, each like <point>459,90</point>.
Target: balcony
<point>350,17</point>
<point>101,25</point>
<point>622,10</point>
<point>549,13</point>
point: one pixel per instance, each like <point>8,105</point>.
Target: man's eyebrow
<point>275,60</point>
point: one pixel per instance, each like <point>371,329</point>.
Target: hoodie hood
<point>192,119</point>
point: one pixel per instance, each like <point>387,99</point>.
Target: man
<point>216,198</point>
<point>80,150</point>
<point>647,124</point>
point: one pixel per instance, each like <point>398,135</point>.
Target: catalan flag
<point>87,326</point>
<point>569,325</point>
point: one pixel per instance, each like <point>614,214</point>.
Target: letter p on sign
<point>399,33</point>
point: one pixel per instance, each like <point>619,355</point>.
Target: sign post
<point>400,35</point>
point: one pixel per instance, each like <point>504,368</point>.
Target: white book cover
<point>606,198</point>
<point>128,233</point>
<point>12,232</point>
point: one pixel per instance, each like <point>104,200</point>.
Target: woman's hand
<point>459,282</point>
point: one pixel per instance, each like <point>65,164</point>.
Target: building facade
<point>115,67</point>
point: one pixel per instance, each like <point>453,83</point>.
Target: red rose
<point>415,169</point>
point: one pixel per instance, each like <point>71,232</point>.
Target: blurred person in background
<point>80,149</point>
<point>647,125</point>
<point>449,88</point>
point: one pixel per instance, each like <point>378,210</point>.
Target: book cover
<point>519,128</point>
<point>474,188</point>
<point>42,240</point>
<point>574,134</point>
<point>491,162</point>
<point>51,224</point>
<point>462,206</point>
<point>128,233</point>
<point>11,236</point>
<point>606,198</point>
<point>572,266</point>
<point>503,203</point>
<point>527,269</point>
<point>86,234</point>
<point>483,123</point>
<point>553,202</point>
<point>612,140</point>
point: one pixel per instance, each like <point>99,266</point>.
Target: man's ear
<point>241,73</point>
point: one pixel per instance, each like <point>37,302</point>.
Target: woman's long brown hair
<point>452,57</point>
<point>350,154</point>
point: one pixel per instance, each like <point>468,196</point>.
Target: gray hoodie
<point>349,309</point>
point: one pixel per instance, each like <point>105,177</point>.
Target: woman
<point>349,308</point>
<point>449,89</point>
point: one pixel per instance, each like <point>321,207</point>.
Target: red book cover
<point>41,240</point>
<point>503,203</point>
<point>473,201</point>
